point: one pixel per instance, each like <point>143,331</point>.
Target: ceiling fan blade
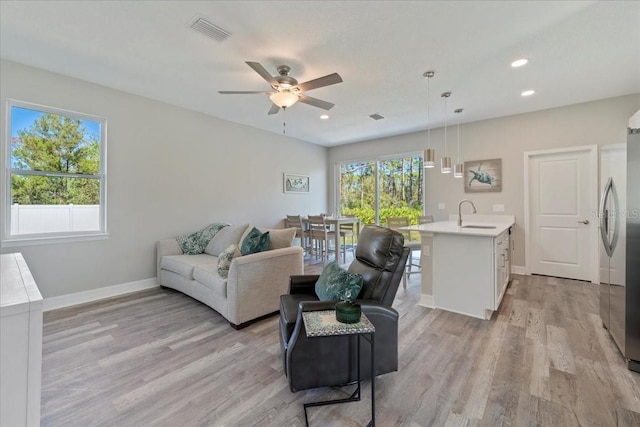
<point>235,92</point>
<point>315,102</point>
<point>330,79</point>
<point>262,71</point>
<point>274,109</point>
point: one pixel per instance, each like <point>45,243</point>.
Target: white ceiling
<point>578,51</point>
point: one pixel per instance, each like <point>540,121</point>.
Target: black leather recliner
<point>331,361</point>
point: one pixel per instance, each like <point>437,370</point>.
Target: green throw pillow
<point>255,242</point>
<point>336,283</point>
<point>195,243</point>
<point>225,258</point>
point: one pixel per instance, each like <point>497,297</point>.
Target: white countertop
<point>501,222</point>
<point>18,290</point>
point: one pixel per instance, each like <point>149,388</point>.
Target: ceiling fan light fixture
<point>284,85</point>
<point>283,99</point>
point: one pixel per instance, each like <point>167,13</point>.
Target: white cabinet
<point>20,344</point>
<point>503,267</point>
<point>470,272</point>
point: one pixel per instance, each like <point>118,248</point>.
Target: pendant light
<point>458,169</point>
<point>445,162</point>
<point>429,159</point>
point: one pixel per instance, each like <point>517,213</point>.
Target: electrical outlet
<point>498,208</point>
<point>427,250</point>
<point>440,205</point>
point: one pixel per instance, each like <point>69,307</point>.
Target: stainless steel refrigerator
<point>620,245</point>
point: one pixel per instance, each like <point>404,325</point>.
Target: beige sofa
<point>254,284</point>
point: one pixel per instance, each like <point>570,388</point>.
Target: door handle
<point>586,221</point>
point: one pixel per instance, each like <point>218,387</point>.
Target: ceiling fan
<point>287,91</point>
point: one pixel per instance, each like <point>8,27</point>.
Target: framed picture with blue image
<point>483,176</point>
<point>296,183</point>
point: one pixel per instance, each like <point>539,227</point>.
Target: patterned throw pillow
<point>225,258</point>
<point>194,243</point>
<point>281,237</point>
<point>255,242</point>
<point>336,283</point>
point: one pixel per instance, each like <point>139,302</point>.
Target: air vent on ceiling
<point>210,30</point>
<point>376,116</point>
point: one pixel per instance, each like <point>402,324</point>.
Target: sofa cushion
<point>224,238</point>
<point>280,237</point>
<point>184,264</point>
<point>207,274</point>
<point>255,242</point>
<point>195,243</point>
<point>225,258</point>
<point>336,283</point>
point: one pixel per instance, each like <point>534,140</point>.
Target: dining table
<point>335,223</point>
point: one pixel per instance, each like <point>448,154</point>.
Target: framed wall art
<point>294,183</point>
<point>483,176</point>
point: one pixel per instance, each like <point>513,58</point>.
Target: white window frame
<point>7,238</point>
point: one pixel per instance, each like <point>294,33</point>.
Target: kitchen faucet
<point>460,210</point>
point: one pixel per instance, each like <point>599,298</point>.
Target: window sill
<point>23,241</point>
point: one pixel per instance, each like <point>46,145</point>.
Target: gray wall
<point>169,171</point>
<point>600,122</point>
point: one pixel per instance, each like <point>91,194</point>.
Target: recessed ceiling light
<point>528,92</point>
<point>519,62</point>
<point>324,116</point>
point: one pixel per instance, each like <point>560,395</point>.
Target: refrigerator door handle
<point>616,222</point>
<point>603,217</point>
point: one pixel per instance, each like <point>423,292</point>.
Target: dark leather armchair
<point>331,361</point>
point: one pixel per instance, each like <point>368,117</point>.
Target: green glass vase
<point>348,312</point>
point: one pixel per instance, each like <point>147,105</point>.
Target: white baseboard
<point>426,301</point>
<point>518,269</point>
<point>83,297</point>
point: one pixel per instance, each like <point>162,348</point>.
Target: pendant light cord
<point>445,126</point>
<point>428,115</point>
<point>458,126</point>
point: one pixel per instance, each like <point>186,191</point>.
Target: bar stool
<point>347,230</point>
<point>414,245</point>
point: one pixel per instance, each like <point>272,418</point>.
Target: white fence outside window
<point>35,219</point>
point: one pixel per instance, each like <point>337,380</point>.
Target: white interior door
<point>562,189</point>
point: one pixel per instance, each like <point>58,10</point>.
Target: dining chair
<point>320,236</point>
<point>414,245</point>
<point>295,221</point>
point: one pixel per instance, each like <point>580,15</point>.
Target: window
<point>55,167</point>
<point>376,190</point>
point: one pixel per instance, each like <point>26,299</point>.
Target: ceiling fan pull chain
<point>284,121</point>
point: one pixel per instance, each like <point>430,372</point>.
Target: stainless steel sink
<point>486,227</point>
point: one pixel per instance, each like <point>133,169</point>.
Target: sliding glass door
<point>382,188</point>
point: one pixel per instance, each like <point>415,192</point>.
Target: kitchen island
<point>465,269</point>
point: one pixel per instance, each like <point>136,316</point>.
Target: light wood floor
<point>159,358</point>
